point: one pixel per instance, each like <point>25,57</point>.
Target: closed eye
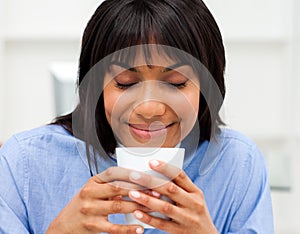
<point>124,85</point>
<point>179,85</point>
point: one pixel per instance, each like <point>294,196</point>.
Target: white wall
<point>263,81</point>
<point>29,92</point>
<point>35,34</point>
<point>251,20</point>
<point>262,40</point>
<point>47,19</point>
<point>1,70</point>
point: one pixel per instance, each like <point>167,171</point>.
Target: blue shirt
<point>42,169</point>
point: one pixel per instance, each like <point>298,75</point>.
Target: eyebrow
<point>133,69</point>
<point>174,66</point>
<point>124,65</point>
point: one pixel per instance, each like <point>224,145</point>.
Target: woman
<point>150,74</point>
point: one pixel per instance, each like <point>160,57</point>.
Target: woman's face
<point>149,105</point>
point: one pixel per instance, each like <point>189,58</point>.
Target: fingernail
<point>138,214</point>
<point>135,194</point>
<point>135,175</point>
<point>155,194</point>
<point>139,230</point>
<point>154,163</point>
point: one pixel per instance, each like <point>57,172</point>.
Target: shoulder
<point>45,133</point>
<point>237,144</point>
<point>51,140</point>
<point>235,153</point>
<point>241,155</point>
<point>42,133</point>
<point>230,151</point>
<point>235,137</point>
<point>43,154</point>
<point>246,172</point>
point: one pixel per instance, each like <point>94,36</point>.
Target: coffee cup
<point>137,158</point>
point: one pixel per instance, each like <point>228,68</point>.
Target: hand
<point>88,211</point>
<point>189,214</point>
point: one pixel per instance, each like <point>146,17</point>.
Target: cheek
<point>189,110</point>
<point>110,98</point>
<point>193,99</point>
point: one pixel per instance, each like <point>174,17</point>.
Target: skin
<point>88,211</point>
<point>151,105</point>
<point>189,213</point>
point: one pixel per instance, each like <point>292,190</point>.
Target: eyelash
<point>126,86</point>
<point>179,86</point>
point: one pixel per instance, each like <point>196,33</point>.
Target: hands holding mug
<point>104,194</point>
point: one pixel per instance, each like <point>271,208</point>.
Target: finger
<point>104,208</point>
<point>109,183</point>
<point>150,193</point>
<point>178,176</point>
<point>119,197</point>
<point>161,224</point>
<point>166,169</point>
<point>127,185</point>
<point>161,206</point>
<point>168,188</point>
<point>146,180</point>
<point>106,191</point>
<point>143,208</point>
<point>111,228</point>
<point>112,174</point>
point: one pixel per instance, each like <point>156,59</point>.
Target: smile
<point>149,131</point>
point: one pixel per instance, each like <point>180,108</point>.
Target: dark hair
<point>184,24</point>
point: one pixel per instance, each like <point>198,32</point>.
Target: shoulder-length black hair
<point>184,24</point>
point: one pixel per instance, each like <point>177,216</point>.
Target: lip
<point>146,131</point>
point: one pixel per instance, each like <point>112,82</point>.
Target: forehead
<point>153,55</point>
<point>150,55</point>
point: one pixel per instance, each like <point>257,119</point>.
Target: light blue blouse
<point>42,169</point>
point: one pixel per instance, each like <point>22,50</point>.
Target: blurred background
<point>39,50</point>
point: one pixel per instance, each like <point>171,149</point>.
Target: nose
<point>150,109</point>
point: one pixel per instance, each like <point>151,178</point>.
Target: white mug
<point>137,158</point>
